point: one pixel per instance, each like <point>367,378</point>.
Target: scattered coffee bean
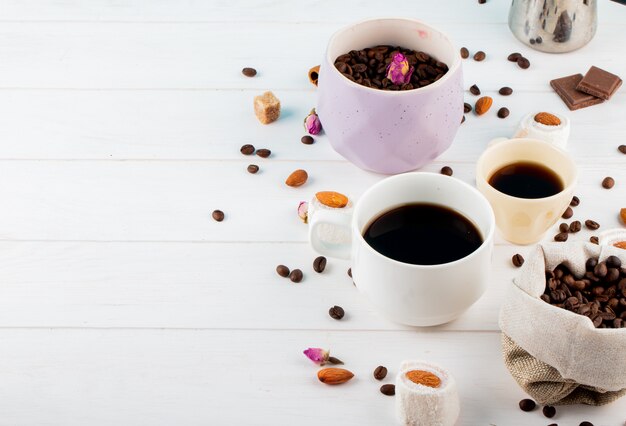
<point>446,170</point>
<point>513,57</point>
<point>388,389</point>
<point>464,53</point>
<point>568,213</point>
<point>319,264</point>
<point>564,227</point>
<point>503,112</point>
<point>575,226</point>
<point>575,201</point>
<point>591,263</point>
<point>482,1</point>
<point>608,182</point>
<point>561,237</point>
<point>253,168</point>
<point>613,262</point>
<point>296,276</point>
<point>590,224</point>
<point>594,240</point>
<point>523,63</point>
<point>336,312</point>
<point>282,270</point>
<point>380,372</point>
<point>474,90</point>
<point>527,405</point>
<point>263,153</point>
<point>467,107</point>
<point>462,119</point>
<point>539,40</point>
<point>518,260</point>
<point>218,215</point>
<point>248,72</point>
<point>479,56</point>
<point>505,91</point>
<point>532,41</point>
<point>334,361</point>
<point>307,140</point>
<point>622,149</point>
<point>553,424</point>
<point>247,149</point>
<point>350,272</point>
<point>585,423</point>
<point>549,411</point>
<point>368,67</point>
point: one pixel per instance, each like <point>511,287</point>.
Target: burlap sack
<point>557,356</point>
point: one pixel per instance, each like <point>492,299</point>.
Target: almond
<point>425,378</point>
<point>332,199</point>
<point>482,105</point>
<point>334,376</point>
<point>547,119</point>
<point>622,215</point>
<point>297,178</point>
<point>620,244</point>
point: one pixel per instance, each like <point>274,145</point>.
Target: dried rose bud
<point>312,123</point>
<point>317,355</point>
<point>303,211</point>
<point>398,70</point>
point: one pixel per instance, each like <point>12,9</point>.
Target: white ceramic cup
<point>419,295</point>
<point>525,220</point>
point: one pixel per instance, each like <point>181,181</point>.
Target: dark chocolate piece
<point>565,87</point>
<point>599,83</point>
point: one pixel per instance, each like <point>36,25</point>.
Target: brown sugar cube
<point>267,107</point>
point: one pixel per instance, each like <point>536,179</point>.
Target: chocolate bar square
<point>565,87</point>
<point>599,83</point>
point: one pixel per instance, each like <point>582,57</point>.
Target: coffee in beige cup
<point>529,184</point>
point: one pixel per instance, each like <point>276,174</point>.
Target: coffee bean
<point>296,276</point>
<point>567,213</point>
<point>307,140</point>
<point>575,201</point>
<point>218,215</point>
<point>600,270</point>
<point>513,57</point>
<point>503,112</point>
<point>532,41</point>
<point>380,372</point>
<point>593,239</point>
<point>527,405</point>
<point>560,237</point>
<point>446,170</point>
<point>350,272</point>
<point>622,149</point>
<point>388,389</point>
<point>467,107</point>
<point>549,411</point>
<point>248,72</point>
<point>474,90</point>
<point>518,260</point>
<point>263,153</point>
<point>608,182</point>
<point>253,168</point>
<point>336,312</point>
<point>334,361</point>
<point>482,1</point>
<point>585,423</point>
<point>505,91</point>
<point>479,56</point>
<point>575,226</point>
<point>564,227</point>
<point>319,264</point>
<point>590,224</point>
<point>523,63</point>
<point>247,149</point>
<point>539,40</point>
<point>613,262</point>
<point>591,263</point>
<point>462,119</point>
<point>282,270</point>
<point>553,424</point>
<point>464,53</point>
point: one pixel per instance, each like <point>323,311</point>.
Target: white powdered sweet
<point>419,405</point>
<point>332,234</point>
<point>556,135</point>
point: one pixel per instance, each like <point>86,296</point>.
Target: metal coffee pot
<point>554,26</point>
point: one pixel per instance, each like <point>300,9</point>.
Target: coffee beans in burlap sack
<point>559,357</point>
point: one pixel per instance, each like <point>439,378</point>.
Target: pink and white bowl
<point>390,131</point>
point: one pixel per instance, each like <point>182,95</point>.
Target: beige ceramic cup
<point>525,220</point>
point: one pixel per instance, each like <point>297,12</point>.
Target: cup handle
<point>328,217</point>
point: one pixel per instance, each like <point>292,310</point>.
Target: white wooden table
<point>123,302</point>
